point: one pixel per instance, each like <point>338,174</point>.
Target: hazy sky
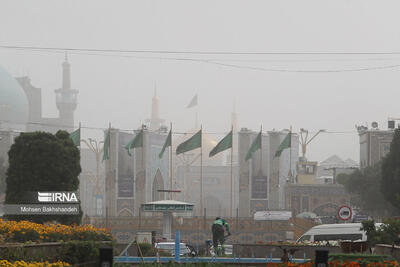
<point>119,89</point>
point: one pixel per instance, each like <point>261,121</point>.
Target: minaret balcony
<point>66,96</point>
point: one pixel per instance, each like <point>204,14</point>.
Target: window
<point>304,238</point>
<point>328,237</point>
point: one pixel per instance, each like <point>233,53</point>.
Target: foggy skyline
<point>119,89</point>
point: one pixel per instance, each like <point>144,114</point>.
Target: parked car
<point>335,232</point>
<point>186,250</point>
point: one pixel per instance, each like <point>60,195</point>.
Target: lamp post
<point>97,149</point>
<point>305,141</point>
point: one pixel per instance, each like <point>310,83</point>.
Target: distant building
<point>263,177</point>
<point>92,187</point>
<point>307,172</point>
<point>330,168</point>
<point>21,108</point>
<point>323,200</point>
<point>66,101</point>
<point>316,190</point>
<point>216,188</point>
<point>138,179</point>
<point>374,145</point>
<point>310,172</point>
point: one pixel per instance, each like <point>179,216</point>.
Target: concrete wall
<point>276,251</point>
<point>382,249</point>
<point>324,200</point>
<point>197,230</point>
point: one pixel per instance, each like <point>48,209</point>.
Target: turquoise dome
<point>14,107</point>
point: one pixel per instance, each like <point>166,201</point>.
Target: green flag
<point>76,137</point>
<point>193,102</point>
<point>166,144</point>
<point>137,141</point>
<point>106,153</point>
<point>286,143</point>
<point>224,144</point>
<point>254,146</point>
<point>190,144</point>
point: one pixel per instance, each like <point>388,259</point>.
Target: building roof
<point>169,202</point>
<point>336,162</point>
<point>351,163</point>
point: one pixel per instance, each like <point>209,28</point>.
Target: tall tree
<point>2,176</point>
<point>364,185</point>
<point>40,161</point>
<point>390,186</point>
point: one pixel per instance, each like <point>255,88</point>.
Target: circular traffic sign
<point>345,213</point>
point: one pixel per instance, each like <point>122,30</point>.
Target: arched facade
<point>158,184</point>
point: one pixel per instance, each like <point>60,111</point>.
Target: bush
<point>75,252</point>
<point>147,250</point>
<point>40,161</point>
<point>72,252</point>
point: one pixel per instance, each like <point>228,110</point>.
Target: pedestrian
<point>218,231</point>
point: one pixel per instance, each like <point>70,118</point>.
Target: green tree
<point>390,185</point>
<point>387,233</point>
<point>2,176</point>
<point>342,178</point>
<point>364,185</point>
<point>40,161</point>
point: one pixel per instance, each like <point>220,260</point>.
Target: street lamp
<point>305,141</point>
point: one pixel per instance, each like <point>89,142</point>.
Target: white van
<point>330,232</point>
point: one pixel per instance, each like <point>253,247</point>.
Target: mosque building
<point>261,183</point>
<point>142,177</point>
<point>21,108</point>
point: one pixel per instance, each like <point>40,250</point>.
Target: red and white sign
<point>345,213</point>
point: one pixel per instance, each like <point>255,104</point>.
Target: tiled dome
<point>14,107</point>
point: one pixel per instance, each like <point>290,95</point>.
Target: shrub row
<point>72,252</point>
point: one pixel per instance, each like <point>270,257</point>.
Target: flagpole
<point>134,173</point>
<point>79,142</point>
<point>79,137</point>
<point>196,122</point>
<point>170,166</point>
<point>108,210</point>
<point>201,171</point>
<point>261,170</point>
<point>231,174</point>
<point>143,149</point>
<point>290,154</point>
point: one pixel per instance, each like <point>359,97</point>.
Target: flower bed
<point>24,231</point>
<point>4,263</point>
<point>33,242</point>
